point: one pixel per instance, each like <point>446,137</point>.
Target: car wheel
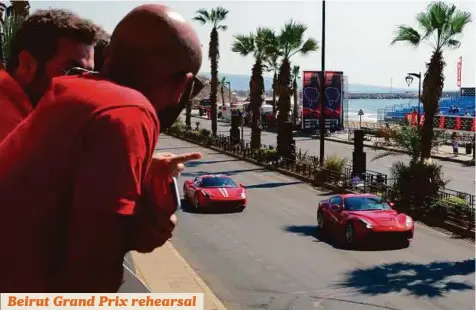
<point>197,204</point>
<point>350,235</point>
<point>185,195</point>
<point>320,222</point>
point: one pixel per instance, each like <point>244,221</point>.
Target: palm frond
<point>296,71</point>
<point>203,16</point>
<point>310,45</point>
<point>459,21</point>
<point>221,13</point>
<point>244,44</point>
<point>222,27</point>
<point>200,19</point>
<point>453,44</point>
<point>424,23</point>
<point>407,34</point>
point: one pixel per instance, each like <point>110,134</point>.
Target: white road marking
<point>292,212</point>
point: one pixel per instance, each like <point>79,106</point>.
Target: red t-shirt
<point>70,177</point>
<point>15,105</point>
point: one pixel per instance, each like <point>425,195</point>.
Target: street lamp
<point>360,114</point>
<point>323,85</point>
<point>409,80</point>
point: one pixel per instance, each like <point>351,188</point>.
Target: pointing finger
<point>164,154</point>
<point>176,159</point>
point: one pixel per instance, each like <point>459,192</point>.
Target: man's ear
<point>27,66</point>
<point>184,83</point>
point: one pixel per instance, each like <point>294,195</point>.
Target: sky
<point>358,35</point>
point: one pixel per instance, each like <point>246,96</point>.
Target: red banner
<point>458,75</point>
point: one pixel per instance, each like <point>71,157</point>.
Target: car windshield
<point>365,204</point>
<point>218,182</point>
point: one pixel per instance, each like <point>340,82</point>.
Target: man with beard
<point>49,43</point>
<point>73,172</point>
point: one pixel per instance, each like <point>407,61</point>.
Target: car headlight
<point>243,195</point>
<point>205,194</point>
<point>408,221</point>
<point>367,224</point>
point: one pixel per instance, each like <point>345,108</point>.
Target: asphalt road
<point>268,257</point>
<point>460,178</point>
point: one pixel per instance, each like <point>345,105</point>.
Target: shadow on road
<point>336,240</point>
<point>271,185</point>
<point>188,208</point>
<point>201,162</point>
<point>422,280</point>
<point>229,173</point>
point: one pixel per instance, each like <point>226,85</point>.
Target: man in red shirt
<point>72,173</point>
<point>49,43</point>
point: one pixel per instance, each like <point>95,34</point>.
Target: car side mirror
<point>337,208</point>
<point>242,185</point>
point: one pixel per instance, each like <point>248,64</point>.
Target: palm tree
<point>440,26</point>
<point>222,83</point>
<point>272,65</point>
<point>291,42</point>
<point>256,45</point>
<point>215,17</point>
<point>11,18</point>
<point>295,76</point>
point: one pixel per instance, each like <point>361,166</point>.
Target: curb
<point>149,269</point>
<point>196,277</point>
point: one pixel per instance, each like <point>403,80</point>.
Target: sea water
<point>370,107</point>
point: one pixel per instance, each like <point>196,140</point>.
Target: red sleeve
<point>116,150</point>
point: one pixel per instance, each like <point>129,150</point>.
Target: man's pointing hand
<point>173,164</point>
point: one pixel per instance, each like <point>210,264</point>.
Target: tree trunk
<point>188,115</point>
<point>214,55</point>
<point>296,103</point>
<point>256,99</point>
<point>284,106</point>
<point>432,90</point>
<point>222,91</point>
<point>275,88</point>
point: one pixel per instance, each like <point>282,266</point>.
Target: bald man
<point>73,172</point>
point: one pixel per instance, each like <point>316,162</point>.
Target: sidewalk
<point>165,271</point>
<point>444,152</point>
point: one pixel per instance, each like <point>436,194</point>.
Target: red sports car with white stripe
<point>216,191</point>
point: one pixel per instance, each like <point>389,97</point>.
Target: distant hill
<point>242,82</point>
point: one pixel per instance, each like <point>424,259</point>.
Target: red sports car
<point>209,192</point>
<point>363,217</point>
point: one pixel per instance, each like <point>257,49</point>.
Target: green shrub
<point>417,185</point>
<point>335,164</point>
<point>451,205</point>
<point>270,154</point>
<point>177,127</point>
<point>205,132</point>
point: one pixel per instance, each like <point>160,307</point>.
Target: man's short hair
<point>40,32</point>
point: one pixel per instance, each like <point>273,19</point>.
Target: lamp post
<point>360,114</point>
<point>409,80</point>
<point>323,85</point>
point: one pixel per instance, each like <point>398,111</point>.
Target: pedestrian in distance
<point>72,174</point>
